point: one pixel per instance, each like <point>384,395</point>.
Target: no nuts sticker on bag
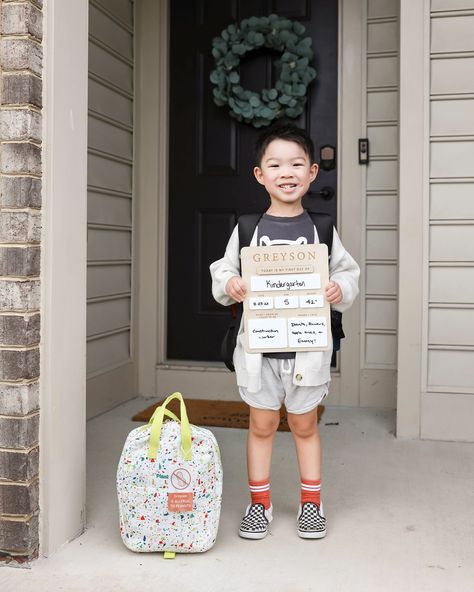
<point>180,491</point>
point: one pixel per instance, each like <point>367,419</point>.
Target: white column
<point>414,154</point>
<point>63,274</point>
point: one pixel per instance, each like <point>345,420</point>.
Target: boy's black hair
<point>283,131</point>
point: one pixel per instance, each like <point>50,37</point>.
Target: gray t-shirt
<point>279,230</point>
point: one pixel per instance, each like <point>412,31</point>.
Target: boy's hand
<point>236,288</point>
<point>333,293</point>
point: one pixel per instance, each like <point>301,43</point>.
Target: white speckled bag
<point>169,485</point>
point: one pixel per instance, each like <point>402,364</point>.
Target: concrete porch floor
<point>400,517</point>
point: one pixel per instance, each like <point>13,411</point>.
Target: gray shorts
<point>278,388</point>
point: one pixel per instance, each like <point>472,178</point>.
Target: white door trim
<point>152,22</point>
<point>351,125</point>
<point>151,187</point>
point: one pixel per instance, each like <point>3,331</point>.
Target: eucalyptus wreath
<point>288,96</point>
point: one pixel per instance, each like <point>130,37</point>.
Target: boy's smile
<point>286,173</point>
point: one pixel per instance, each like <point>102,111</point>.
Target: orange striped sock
<point>311,491</point>
<point>260,492</point>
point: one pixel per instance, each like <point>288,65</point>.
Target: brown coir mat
<point>227,414</point>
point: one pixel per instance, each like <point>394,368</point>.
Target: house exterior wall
<point>448,344</point>
<point>436,349</point>
<point>20,234</point>
<point>418,218</point>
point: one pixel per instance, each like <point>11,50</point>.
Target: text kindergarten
<point>285,308</point>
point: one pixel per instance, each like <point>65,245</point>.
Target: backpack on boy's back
<point>247,224</point>
<point>169,485</point>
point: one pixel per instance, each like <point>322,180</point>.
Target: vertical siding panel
<point>110,173</point>
<point>381,237</point>
<point>449,348</point>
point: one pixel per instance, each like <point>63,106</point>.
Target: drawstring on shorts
<point>282,366</point>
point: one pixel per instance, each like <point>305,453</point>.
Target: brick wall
<point>20,233</point>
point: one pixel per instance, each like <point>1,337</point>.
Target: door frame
<point>158,375</point>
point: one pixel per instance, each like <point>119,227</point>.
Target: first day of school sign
<point>285,308</point>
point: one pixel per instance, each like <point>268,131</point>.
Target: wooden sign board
<point>285,309</point>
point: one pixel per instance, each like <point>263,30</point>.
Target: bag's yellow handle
<point>168,413</point>
<point>157,422</point>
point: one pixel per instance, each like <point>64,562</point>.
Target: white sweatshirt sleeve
<point>223,269</point>
<point>344,270</point>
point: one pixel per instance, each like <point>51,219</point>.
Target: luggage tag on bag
<point>180,491</point>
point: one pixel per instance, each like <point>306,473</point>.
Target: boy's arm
<point>223,269</point>
<point>344,270</point>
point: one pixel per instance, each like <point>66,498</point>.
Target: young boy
<point>286,168</point>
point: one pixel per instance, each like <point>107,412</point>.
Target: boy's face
<point>286,172</point>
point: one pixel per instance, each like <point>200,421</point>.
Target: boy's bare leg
<point>305,432</point>
<point>262,427</point>
<point>311,520</point>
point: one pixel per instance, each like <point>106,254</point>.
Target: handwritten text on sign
<point>267,333</point>
<point>288,282</point>
<point>285,308</point>
<point>307,332</point>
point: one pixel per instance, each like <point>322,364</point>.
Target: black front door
<point>211,155</point>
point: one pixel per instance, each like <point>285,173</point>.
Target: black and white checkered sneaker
<point>255,523</point>
<point>311,521</point>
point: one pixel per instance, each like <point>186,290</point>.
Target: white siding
<point>110,189</point>
<point>381,200</point>
<point>450,257</point>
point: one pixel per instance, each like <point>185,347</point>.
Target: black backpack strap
<point>247,225</point>
<point>246,228</point>
<point>325,228</point>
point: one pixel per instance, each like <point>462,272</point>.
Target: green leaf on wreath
<point>298,28</point>
<point>293,111</point>
<point>239,48</point>
<point>284,99</point>
<point>251,37</point>
<point>299,90</point>
<point>231,61</point>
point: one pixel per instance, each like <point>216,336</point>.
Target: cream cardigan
<point>311,368</point>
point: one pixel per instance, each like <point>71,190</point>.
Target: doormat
<point>222,414</point>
